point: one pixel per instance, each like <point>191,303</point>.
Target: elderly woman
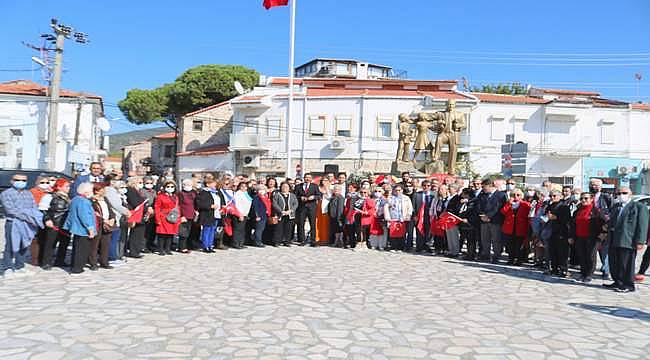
<point>283,205</point>
<point>262,211</point>
<point>116,200</point>
<point>559,218</point>
<point>208,203</point>
<point>135,199</point>
<point>167,216</point>
<point>149,192</point>
<point>243,203</point>
<point>186,198</point>
<point>586,224</point>
<point>397,212</point>
<point>54,219</point>
<point>438,207</point>
<point>377,234</point>
<point>515,225</point>
<point>322,216</point>
<point>105,220</point>
<point>336,212</point>
<point>80,222</point>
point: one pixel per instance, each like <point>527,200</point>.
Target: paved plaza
<point>316,303</point>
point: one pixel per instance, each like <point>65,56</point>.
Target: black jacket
<point>491,205</point>
<point>561,225</point>
<point>312,189</point>
<point>336,208</point>
<point>133,199</point>
<point>58,210</point>
<point>469,211</point>
<point>417,202</point>
<point>203,204</point>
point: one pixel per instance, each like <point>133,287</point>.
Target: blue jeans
<point>9,253</point>
<point>604,256</point>
<point>115,242</point>
<point>259,230</point>
<point>207,236</point>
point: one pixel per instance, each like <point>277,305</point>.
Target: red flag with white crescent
<point>271,3</point>
<point>420,224</point>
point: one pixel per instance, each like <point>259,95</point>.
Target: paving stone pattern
<point>316,303</point>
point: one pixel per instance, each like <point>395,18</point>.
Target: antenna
<point>239,88</point>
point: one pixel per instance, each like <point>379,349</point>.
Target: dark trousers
<point>559,253</point>
<point>408,242</point>
<point>136,239</point>
<point>586,249</point>
<point>514,244</point>
<point>645,262</point>
<point>259,231</point>
<point>184,233</point>
<point>52,238</point>
<point>100,243</point>
<point>283,231</point>
<point>124,238</point>
<point>471,236</point>
<point>309,214</point>
<point>422,241</point>
<point>80,251</point>
<point>238,232</point>
<point>150,235</point>
<point>165,243</point>
<point>621,267</point>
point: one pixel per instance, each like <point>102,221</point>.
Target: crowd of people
<point>109,218</point>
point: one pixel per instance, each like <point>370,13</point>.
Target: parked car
<point>32,174</point>
<point>644,199</point>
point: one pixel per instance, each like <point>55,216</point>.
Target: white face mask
<point>44,186</point>
<point>187,188</point>
<point>378,194</point>
<point>530,193</point>
<point>170,190</point>
<point>624,197</point>
<point>139,186</point>
<point>510,187</point>
<point>502,187</point>
<point>148,186</point>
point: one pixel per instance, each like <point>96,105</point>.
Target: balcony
<point>248,142</point>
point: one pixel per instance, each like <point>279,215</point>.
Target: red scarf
<point>266,200</point>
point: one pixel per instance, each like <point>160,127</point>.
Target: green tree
<point>194,89</point>
<point>506,89</point>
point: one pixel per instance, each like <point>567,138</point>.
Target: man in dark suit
<point>490,203</point>
<point>603,202</point>
<point>95,176</point>
<point>308,195</point>
<point>628,231</point>
<point>424,198</point>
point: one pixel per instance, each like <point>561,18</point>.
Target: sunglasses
<point>585,198</point>
<point>518,195</point>
<point>44,182</point>
<point>623,193</point>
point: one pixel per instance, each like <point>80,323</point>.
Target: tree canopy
<point>194,89</point>
<point>506,89</point>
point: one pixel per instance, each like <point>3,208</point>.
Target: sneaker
<point>623,290</point>
<point>639,277</point>
<point>610,286</point>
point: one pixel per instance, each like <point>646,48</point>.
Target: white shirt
<point>104,206</point>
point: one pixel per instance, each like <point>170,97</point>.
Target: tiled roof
<point>206,150</point>
<point>169,135</point>
<point>27,87</point>
<point>600,102</point>
<point>207,108</point>
<point>332,92</point>
<point>568,92</point>
<point>641,106</point>
<point>510,99</point>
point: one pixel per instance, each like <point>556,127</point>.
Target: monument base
<point>435,167</point>
<point>398,167</point>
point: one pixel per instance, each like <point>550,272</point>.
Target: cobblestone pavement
<point>316,303</point>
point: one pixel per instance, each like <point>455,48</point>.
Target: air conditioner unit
<point>337,144</point>
<point>251,161</point>
<point>622,170</point>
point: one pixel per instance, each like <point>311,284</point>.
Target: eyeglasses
<point>623,193</point>
<point>518,195</point>
<point>554,196</point>
<point>585,198</point>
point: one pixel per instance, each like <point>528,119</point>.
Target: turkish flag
<point>420,224</point>
<point>445,222</point>
<point>271,3</point>
<point>137,214</point>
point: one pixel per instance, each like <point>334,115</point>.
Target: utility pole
<point>80,104</point>
<point>60,33</point>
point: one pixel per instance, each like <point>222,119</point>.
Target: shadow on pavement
<point>617,311</point>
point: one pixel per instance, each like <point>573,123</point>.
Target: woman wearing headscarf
<point>80,222</point>
<point>135,199</point>
<point>54,219</point>
<point>167,215</point>
<point>336,213</point>
<point>243,203</point>
<point>105,223</point>
<point>41,193</point>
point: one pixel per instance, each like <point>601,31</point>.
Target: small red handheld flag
<point>445,222</point>
<point>420,224</point>
<point>137,214</point>
<point>271,3</point>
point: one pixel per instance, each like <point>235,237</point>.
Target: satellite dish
<point>103,124</point>
<point>239,88</point>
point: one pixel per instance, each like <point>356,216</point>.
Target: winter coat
<point>163,205</point>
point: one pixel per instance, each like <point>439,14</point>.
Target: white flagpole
<point>292,34</point>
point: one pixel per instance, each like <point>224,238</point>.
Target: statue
<point>422,139</point>
<point>448,125</point>
<point>405,138</point>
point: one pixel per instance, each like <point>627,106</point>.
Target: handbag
<point>173,216</point>
<point>396,229</point>
<point>274,220</point>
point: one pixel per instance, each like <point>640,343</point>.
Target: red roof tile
<point>207,108</point>
<point>169,135</point>
<point>27,87</point>
<point>510,99</point>
<point>206,150</point>
<point>568,92</point>
<point>641,106</point>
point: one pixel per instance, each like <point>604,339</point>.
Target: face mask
<point>575,197</point>
<point>19,185</point>
<point>624,197</point>
<point>199,184</point>
<point>502,188</point>
<point>148,186</point>
<point>464,200</point>
<point>510,187</point>
<point>170,190</point>
<point>530,193</point>
<point>52,183</point>
<point>44,186</point>
<point>139,186</point>
<point>262,192</point>
<point>378,193</point>
<point>123,191</point>
<point>187,188</point>
<point>409,189</point>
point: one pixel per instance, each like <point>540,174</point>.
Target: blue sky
<point>596,44</point>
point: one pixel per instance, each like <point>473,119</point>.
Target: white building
<point>24,107</point>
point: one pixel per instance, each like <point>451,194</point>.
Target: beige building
<point>155,155</point>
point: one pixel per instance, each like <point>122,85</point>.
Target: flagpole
<point>292,35</point>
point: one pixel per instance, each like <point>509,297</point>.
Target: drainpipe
<point>304,120</point>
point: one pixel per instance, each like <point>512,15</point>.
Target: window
<point>169,151</point>
<point>273,126</point>
<point>317,125</point>
<point>385,127</point>
<point>497,129</point>
<point>250,125</point>
<point>197,125</point>
<point>344,126</point>
<point>607,134</point>
<point>3,149</point>
<point>561,180</point>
